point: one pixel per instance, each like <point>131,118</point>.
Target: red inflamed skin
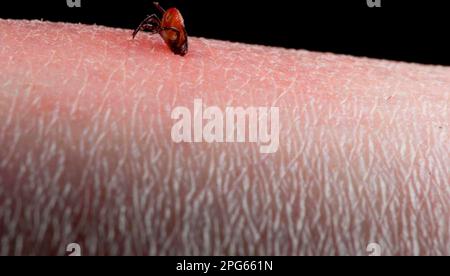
<point>87,157</point>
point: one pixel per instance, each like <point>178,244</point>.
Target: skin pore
<point>86,152</point>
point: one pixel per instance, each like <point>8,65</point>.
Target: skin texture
<point>86,154</point>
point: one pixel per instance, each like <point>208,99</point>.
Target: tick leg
<point>160,9</point>
<point>151,24</point>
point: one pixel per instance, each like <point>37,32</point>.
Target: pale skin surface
<point>86,154</point>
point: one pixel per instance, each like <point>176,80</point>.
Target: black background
<point>413,31</point>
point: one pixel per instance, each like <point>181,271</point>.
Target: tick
<point>170,28</point>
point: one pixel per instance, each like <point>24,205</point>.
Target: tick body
<point>170,28</point>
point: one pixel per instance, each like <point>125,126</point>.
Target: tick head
<point>176,40</point>
<point>179,47</point>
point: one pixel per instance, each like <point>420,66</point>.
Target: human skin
<point>86,152</point>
